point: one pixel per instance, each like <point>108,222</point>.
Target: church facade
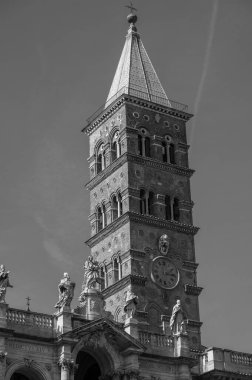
<point>138,314</point>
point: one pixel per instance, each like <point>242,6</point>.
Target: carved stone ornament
<point>66,364</point>
<point>178,319</point>
<point>4,283</point>
<point>91,276</point>
<point>2,355</point>
<point>66,291</point>
<point>28,362</point>
<point>164,244</point>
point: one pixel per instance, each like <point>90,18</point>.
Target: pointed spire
<point>135,74</point>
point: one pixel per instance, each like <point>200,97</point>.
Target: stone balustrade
<point>155,340</point>
<point>219,359</point>
<point>22,317</point>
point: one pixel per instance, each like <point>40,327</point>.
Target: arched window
<point>167,207</point>
<point>144,146</point>
<point>172,154</point>
<point>147,147</point>
<point>151,203</point>
<point>168,150</point>
<point>143,207</point>
<point>100,159</point>
<point>176,209</point>
<point>115,147</point>
<point>99,219</point>
<point>120,205</point>
<point>140,145</point>
<point>104,216</point>
<point>114,208</point>
<point>116,270</point>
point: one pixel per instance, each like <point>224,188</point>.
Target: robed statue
<point>66,291</point>
<point>91,273</point>
<point>4,282</point>
<point>178,319</point>
<point>131,301</point>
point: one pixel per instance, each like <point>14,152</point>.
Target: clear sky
<point>58,58</point>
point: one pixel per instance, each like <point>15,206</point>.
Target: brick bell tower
<point>142,232</point>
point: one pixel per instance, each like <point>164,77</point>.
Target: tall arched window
<point>114,208</point>
<point>143,205</point>
<point>167,207</point>
<point>100,159</point>
<point>176,209</point>
<point>168,150</point>
<point>115,146</point>
<point>147,147</point>
<point>151,203</point>
<point>144,146</point>
<point>116,270</point>
<point>99,219</point>
<point>104,216</point>
<point>120,204</point>
<point>172,154</point>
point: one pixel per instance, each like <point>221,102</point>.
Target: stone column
<point>65,362</point>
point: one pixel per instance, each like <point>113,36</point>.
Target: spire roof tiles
<point>135,74</point>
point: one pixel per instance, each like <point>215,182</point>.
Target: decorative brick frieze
<point>192,289</point>
<point>145,219</point>
<point>105,114</point>
<point>156,164</point>
<point>144,161</point>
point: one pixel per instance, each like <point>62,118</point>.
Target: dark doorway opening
<point>19,376</point>
<point>88,368</point>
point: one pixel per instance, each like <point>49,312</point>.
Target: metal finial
<point>28,303</point>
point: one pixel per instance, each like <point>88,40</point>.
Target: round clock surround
<point>164,273</point>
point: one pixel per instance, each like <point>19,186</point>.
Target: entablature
<point>144,219</point>
<point>130,279</point>
<point>145,161</point>
<point>102,114</point>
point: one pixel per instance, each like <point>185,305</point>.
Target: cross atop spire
<point>131,7</point>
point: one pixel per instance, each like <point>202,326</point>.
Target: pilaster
<point>64,320</point>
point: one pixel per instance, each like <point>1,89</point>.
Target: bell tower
<point>142,231</point>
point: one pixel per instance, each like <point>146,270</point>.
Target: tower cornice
<point>141,219</point>
<point>145,161</point>
<point>176,109</point>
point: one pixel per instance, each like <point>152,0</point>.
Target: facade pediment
<point>96,332</point>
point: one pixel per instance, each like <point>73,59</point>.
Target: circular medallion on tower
<point>164,273</point>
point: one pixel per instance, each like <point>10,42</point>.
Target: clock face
<point>164,273</point>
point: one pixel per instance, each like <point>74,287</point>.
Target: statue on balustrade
<point>131,301</point>
<point>178,319</point>
<point>66,291</point>
<point>4,283</point>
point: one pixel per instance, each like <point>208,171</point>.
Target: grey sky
<point>58,58</point>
